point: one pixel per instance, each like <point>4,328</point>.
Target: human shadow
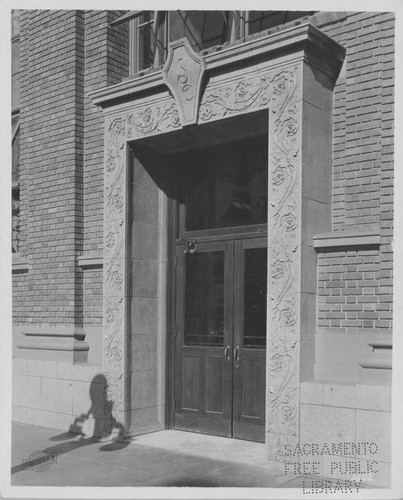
<point>106,429</point>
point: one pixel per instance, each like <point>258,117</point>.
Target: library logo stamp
<point>39,461</point>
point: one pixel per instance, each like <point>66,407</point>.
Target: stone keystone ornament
<point>183,73</point>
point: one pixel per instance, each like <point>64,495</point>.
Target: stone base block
<point>59,395</point>
<point>144,420</point>
<point>347,428</point>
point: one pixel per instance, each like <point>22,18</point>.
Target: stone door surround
<point>291,74</point>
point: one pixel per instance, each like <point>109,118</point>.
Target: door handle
<point>236,353</point>
<point>227,353</point>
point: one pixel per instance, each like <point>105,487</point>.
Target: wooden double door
<point>220,341</point>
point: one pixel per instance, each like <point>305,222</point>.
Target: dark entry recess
<point>215,178</point>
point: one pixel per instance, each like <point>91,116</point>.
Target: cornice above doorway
<point>317,48</point>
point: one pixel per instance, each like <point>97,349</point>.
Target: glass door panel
<point>204,299</point>
<point>255,298</point>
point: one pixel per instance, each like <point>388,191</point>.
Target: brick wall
<point>351,291</point>
<point>64,56</point>
<point>52,66</point>
<point>67,54</point>
<point>106,63</point>
<point>355,286</point>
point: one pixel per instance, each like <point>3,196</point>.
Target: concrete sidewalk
<point>165,458</point>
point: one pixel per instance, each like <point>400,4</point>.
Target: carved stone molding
<point>114,269</point>
<point>183,74</point>
<point>282,92</point>
<point>113,326</point>
<point>267,89</point>
<point>113,404</point>
<point>144,122</point>
<point>278,91</point>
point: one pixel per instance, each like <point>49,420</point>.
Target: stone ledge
<point>50,345</point>
<point>19,263</point>
<point>381,356</point>
<point>54,331</point>
<point>355,239</point>
<point>90,260</point>
<point>70,340</point>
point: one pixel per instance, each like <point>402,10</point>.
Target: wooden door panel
<point>249,396</point>
<point>191,382</point>
<point>253,390</point>
<point>214,390</point>
<point>216,393</point>
<point>204,325</point>
<point>208,408</point>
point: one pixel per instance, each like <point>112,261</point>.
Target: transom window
<point>260,20</point>
<point>151,31</point>
<point>227,186</point>
<point>203,29</point>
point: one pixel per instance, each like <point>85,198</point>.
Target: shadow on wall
<point>106,428</point>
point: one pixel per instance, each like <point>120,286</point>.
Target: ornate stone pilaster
<point>115,272</point>
<point>265,89</point>
<point>284,280</point>
<point>146,121</point>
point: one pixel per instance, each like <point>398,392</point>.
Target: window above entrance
<point>226,185</point>
<point>151,31</point>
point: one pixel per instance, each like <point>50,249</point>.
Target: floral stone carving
<point>266,90</point>
<point>278,91</point>
<point>284,254</point>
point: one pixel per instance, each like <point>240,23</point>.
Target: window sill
<point>354,239</point>
<point>89,261</point>
<point>19,263</point>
